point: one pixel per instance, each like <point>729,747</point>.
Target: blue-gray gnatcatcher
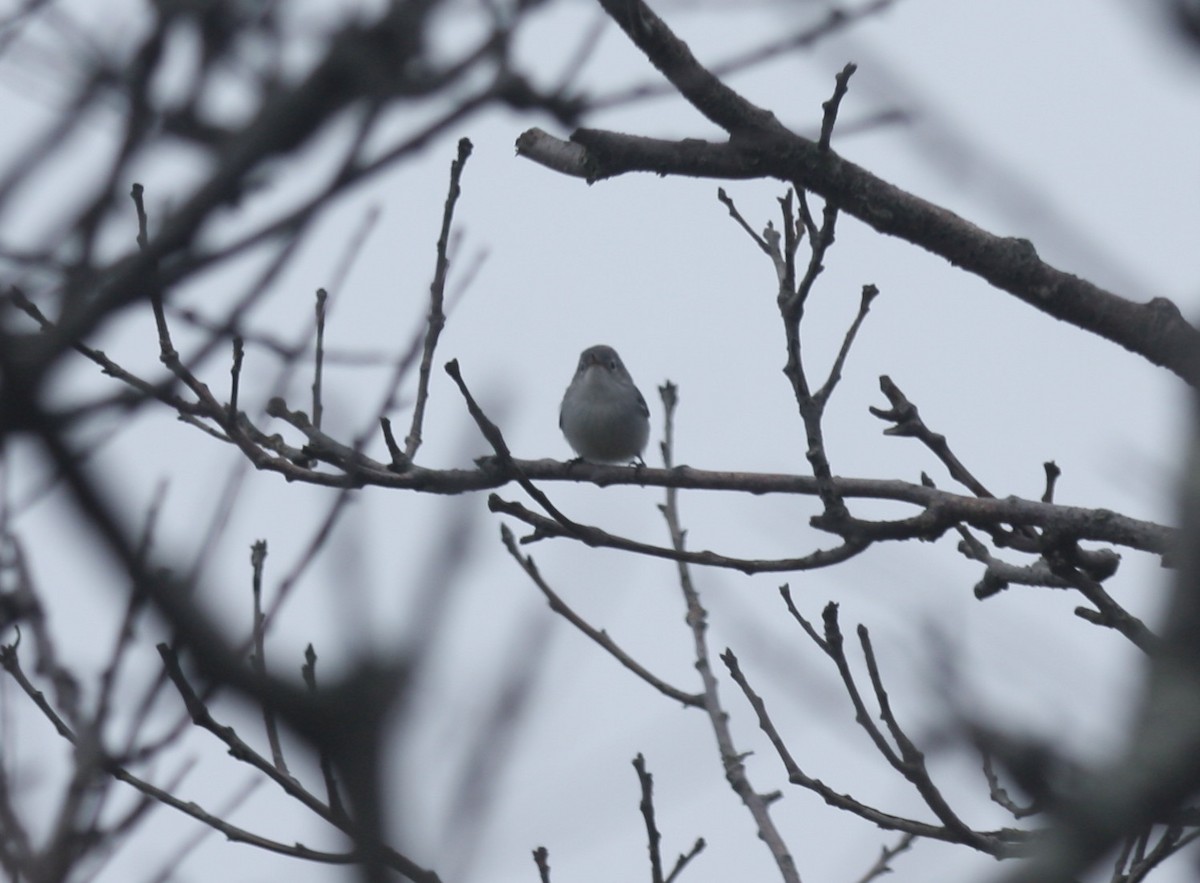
<point>603,415</point>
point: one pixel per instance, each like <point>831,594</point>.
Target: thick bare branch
<point>760,147</point>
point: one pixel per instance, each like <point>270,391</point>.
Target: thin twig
<point>1003,843</point>
<point>883,865</point>
<point>912,760</point>
<point>161,392</point>
<point>235,371</point>
<point>170,866</point>
<point>685,859</point>
<point>598,635</point>
<point>437,318</point>
<point>308,671</point>
<point>869,293</point>
<point>399,461</point>
<point>646,805</point>
<point>319,358</point>
<point>998,793</point>
<point>1172,840</point>
<point>169,357</point>
<point>907,422</point>
<point>726,201</point>
<point>1052,475</point>
<point>541,858</point>
<point>697,620</point>
<point>202,717</point>
<point>8,659</point>
<point>495,438</point>
<point>791,297</point>
<point>258,658</point>
<point>842,84</point>
<point>786,592</point>
<point>1108,613</point>
<point>593,536</point>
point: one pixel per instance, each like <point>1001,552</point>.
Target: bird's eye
<point>612,366</point>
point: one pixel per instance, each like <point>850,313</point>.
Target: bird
<point>603,414</point>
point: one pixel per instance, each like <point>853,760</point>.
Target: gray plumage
<point>603,415</point>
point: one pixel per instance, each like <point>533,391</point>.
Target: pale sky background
<point>1072,123</point>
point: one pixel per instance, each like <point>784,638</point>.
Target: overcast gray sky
<point>1068,122</point>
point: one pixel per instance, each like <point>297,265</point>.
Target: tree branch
<point>760,147</point>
